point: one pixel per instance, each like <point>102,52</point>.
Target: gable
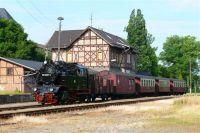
<point>89,38</point>
<point>89,50</point>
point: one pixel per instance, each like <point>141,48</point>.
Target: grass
<point>184,111</point>
<point>192,94</point>
<point>6,92</point>
<point>188,100</point>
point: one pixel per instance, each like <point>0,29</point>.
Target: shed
<point>18,74</point>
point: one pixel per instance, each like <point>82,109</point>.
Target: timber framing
<point>96,49</point>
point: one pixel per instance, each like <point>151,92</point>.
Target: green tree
<point>177,53</point>
<point>139,38</point>
<point>14,42</point>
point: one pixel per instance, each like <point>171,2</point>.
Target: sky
<point>164,18</point>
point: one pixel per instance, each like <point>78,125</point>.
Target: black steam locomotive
<point>61,82</point>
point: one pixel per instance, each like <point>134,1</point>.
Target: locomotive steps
<point>64,108</point>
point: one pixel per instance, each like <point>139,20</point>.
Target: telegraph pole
<point>60,19</point>
<point>190,76</point>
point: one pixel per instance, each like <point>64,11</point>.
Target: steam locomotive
<point>60,82</point>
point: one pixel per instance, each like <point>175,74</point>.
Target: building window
<point>69,57</point>
<point>128,58</point>
<point>76,57</point>
<point>9,71</point>
<point>100,55</point>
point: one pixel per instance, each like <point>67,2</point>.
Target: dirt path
<point>137,118</point>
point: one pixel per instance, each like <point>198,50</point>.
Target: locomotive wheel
<point>103,98</point>
<point>88,99</point>
<point>82,99</point>
<point>106,98</point>
<point>62,97</point>
<point>93,99</point>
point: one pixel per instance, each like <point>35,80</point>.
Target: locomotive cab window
<point>81,72</point>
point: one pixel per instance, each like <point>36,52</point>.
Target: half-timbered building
<point>95,49</point>
<point>17,74</point>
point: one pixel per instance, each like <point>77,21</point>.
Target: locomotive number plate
<point>46,75</point>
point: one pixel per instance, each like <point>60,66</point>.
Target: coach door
<point>137,85</point>
<point>157,86</point>
<point>110,86</point>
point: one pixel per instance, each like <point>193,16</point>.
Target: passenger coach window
<point>81,72</point>
<point>131,82</point>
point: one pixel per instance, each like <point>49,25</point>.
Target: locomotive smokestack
<point>60,19</point>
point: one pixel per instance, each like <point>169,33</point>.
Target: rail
<point>64,108</point>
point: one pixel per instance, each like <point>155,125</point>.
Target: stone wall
<point>5,99</point>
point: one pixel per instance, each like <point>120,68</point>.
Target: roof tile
<point>69,36</point>
<point>33,65</point>
<point>4,14</point>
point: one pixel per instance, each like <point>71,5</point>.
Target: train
<point>60,82</point>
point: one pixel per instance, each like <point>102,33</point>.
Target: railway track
<point>19,107</point>
<point>63,108</point>
<point>26,106</point>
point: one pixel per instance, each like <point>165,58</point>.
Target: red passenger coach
<point>114,83</point>
<point>178,86</point>
<point>125,84</point>
<point>145,84</point>
<point>164,85</point>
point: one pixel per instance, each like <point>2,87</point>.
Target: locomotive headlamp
<point>51,89</point>
<point>35,89</point>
